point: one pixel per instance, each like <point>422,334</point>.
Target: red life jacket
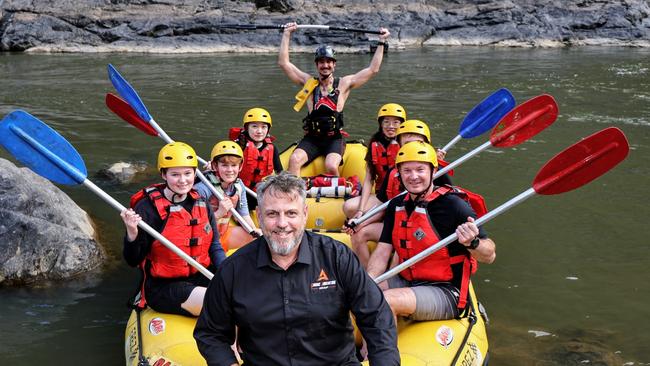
<point>414,233</point>
<point>383,159</point>
<point>190,232</point>
<point>394,186</point>
<point>325,120</point>
<point>257,164</point>
<point>442,164</point>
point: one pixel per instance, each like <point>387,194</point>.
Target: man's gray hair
<point>285,184</point>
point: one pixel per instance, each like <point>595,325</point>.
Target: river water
<point>570,283</point>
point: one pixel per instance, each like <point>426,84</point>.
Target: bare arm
<point>365,191</point>
<point>294,73</point>
<point>363,76</point>
<point>379,259</point>
<point>486,250</point>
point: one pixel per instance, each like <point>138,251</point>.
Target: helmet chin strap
<point>424,192</point>
<point>174,193</point>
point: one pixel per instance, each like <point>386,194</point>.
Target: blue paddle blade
<point>41,149</point>
<point>487,113</point>
<point>126,91</point>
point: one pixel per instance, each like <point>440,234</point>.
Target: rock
<point>123,172</point>
<point>44,235</point>
<point>177,26</point>
<point>584,346</point>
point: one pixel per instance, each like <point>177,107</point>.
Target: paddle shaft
<point>462,159</point>
<point>205,180</point>
<point>248,190</point>
<point>300,26</point>
<point>452,143</point>
<point>345,29</point>
<point>377,209</point>
<point>446,241</point>
<point>167,139</point>
<point>144,226</point>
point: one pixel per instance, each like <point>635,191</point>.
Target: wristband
<point>474,243</point>
<point>382,43</point>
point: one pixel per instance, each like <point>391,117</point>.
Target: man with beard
<point>289,294</point>
<point>324,121</point>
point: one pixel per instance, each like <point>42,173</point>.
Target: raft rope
<point>142,361</point>
<point>471,318</point>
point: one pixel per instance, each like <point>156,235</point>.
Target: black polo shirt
<point>295,317</point>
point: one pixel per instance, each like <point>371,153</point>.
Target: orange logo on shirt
<point>322,276</point>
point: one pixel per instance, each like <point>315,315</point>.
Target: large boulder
<point>44,235</point>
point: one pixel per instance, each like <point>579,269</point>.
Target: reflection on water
<point>569,283</point>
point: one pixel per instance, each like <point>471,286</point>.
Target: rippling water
<point>569,285</point>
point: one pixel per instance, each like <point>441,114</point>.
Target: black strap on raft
<point>142,361</point>
<point>136,303</point>
<point>470,313</point>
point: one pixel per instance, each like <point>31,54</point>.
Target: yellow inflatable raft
<point>167,339</point>
<point>327,213</point>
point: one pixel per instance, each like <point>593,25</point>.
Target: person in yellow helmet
<point>380,158</point>
<point>388,187</point>
<point>226,162</point>
<point>261,157</point>
<point>410,130</point>
<point>324,121</point>
<point>436,287</point>
<point>179,213</point>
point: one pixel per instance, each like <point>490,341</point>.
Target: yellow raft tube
<point>167,339</point>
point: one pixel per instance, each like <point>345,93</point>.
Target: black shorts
<point>167,295</point>
<point>321,146</point>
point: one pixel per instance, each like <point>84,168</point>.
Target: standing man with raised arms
<point>324,120</point>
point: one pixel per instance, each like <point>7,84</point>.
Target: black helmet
<point>324,51</point>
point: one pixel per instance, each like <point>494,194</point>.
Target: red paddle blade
<point>120,107</point>
<point>582,162</point>
<point>525,121</point>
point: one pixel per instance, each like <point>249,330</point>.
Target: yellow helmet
<point>393,110</point>
<point>258,115</point>
<point>415,126</point>
<point>226,147</point>
<point>177,154</point>
<point>417,151</point>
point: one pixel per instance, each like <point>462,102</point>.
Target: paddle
<point>50,155</point>
<point>520,124</point>
<point>123,110</point>
<point>120,107</point>
<point>572,168</point>
<point>133,99</point>
<point>484,116</point>
<point>300,26</point>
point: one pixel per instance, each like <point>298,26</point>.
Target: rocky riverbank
<point>178,26</point>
